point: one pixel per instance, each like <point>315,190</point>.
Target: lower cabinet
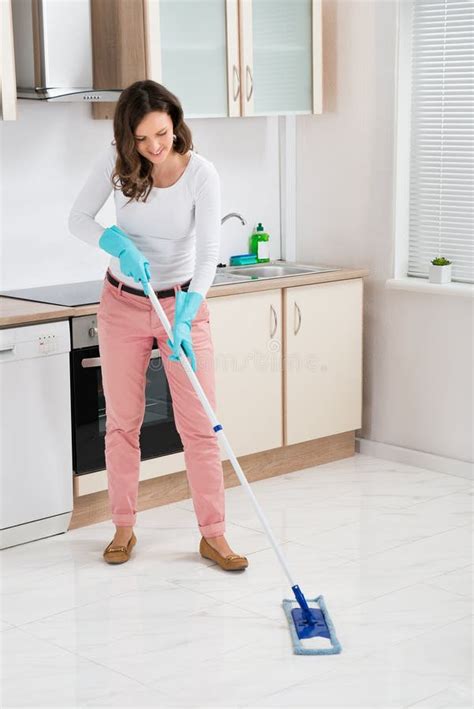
<point>322,373</point>
<point>247,335</point>
<point>288,368</point>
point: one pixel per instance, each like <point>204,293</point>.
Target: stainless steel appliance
<point>158,435</point>
<point>54,56</point>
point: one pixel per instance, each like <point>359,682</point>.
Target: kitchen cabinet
<point>280,57</point>
<point>118,48</point>
<point>288,370</point>
<point>323,359</point>
<point>246,331</point>
<point>249,57</point>
<point>187,52</point>
<point>220,57</point>
<point>7,63</point>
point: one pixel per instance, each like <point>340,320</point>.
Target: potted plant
<point>440,270</point>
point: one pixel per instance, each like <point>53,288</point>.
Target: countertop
<point>26,312</point>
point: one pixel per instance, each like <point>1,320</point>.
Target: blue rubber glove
<point>186,308</point>
<point>132,262</point>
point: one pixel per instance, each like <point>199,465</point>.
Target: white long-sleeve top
<point>177,229</point>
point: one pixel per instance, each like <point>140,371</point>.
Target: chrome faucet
<point>233,214</point>
<point>224,219</point>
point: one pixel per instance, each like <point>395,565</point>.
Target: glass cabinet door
<point>277,56</point>
<point>193,47</point>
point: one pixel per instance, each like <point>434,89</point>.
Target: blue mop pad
<point>311,637</point>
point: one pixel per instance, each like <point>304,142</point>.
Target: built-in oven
<point>158,435</point>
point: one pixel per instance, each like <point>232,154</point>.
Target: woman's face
<point>154,136</point>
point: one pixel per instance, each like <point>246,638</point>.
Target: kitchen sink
<point>223,278</point>
<point>278,269</point>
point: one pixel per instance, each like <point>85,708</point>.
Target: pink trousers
<point>127,324</point>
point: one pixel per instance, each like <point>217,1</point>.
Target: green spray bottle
<point>259,244</point>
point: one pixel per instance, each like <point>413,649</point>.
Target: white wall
<point>45,157</point>
<point>418,347</point>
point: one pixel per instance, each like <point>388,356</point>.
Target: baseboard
<point>420,459</point>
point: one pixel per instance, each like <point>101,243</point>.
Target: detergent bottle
<point>259,244</point>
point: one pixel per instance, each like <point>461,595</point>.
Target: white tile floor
<point>388,545</point>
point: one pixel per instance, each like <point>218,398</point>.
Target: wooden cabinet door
<point>323,359</point>
<point>246,331</point>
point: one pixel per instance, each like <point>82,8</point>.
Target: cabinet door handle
<point>236,87</point>
<point>275,319</point>
<point>249,80</point>
<point>296,330</point>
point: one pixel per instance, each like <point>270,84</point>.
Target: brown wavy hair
<point>133,172</point>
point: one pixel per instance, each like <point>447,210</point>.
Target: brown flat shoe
<point>119,553</point>
<point>231,562</point>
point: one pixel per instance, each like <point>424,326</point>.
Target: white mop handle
<point>214,421</point>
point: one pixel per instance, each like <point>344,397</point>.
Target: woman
<point>167,200</point>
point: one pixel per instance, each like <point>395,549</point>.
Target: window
<point>437,57</point>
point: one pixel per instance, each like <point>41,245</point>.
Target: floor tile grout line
<point>322,531</point>
<point>330,670</point>
<point>437,497</point>
<point>334,493</point>
<point>414,541</point>
<point>89,603</point>
<point>121,593</point>
<point>209,659</point>
<point>465,566</point>
<point>340,610</point>
<point>376,509</point>
<point>438,627</point>
<point>146,685</point>
<point>84,657</point>
<point>251,592</point>
<point>202,593</point>
<point>382,595</point>
<point>355,561</point>
<point>424,699</point>
<point>258,616</point>
<point>231,603</point>
<point>455,593</point>
<point>370,654</point>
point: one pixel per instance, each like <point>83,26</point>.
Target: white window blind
<point>441,142</point>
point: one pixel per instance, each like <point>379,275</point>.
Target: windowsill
<point>423,285</point>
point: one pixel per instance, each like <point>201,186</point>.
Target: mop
<point>311,628</point>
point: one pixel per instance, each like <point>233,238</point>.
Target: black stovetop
<point>68,294</point>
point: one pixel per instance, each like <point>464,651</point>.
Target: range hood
<point>54,51</point>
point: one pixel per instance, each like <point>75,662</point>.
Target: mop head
<point>311,639</point>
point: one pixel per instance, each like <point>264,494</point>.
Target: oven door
<point>158,435</point>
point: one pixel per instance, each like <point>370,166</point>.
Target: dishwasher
<point>36,477</point>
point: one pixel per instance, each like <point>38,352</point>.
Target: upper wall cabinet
<point>220,57</point>
<point>280,56</point>
<point>186,51</point>
<point>237,57</point>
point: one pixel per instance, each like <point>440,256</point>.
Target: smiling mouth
<point>158,153</point>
